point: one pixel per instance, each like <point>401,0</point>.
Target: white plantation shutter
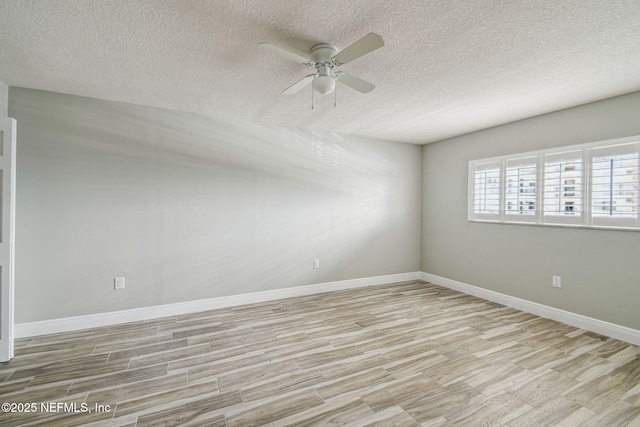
<point>588,185</point>
<point>563,183</point>
<point>520,198</point>
<point>614,185</point>
<point>485,191</point>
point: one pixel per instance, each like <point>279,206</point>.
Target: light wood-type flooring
<point>405,354</point>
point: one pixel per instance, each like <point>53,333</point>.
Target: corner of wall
<point>422,207</point>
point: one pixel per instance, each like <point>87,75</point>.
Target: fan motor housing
<point>323,52</point>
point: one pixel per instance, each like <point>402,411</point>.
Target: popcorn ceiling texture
<point>448,67</point>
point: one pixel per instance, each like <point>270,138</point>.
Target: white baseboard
<point>579,321</point>
<point>69,324</point>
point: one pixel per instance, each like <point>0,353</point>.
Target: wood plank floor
<point>406,354</point>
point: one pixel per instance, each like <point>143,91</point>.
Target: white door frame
<point>7,228</point>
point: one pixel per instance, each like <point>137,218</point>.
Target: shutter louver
<point>521,190</point>
<point>486,189</point>
<point>614,186</point>
<point>562,188</point>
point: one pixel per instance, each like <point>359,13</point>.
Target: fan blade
<point>299,85</point>
<point>283,53</point>
<point>365,45</point>
<point>356,83</point>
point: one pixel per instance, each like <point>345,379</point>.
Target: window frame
<point>564,157</point>
<point>582,154</point>
<point>522,163</point>
<point>612,151</point>
<point>484,215</point>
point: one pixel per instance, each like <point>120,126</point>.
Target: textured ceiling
<point>448,67</point>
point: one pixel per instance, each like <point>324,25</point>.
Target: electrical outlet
<point>316,263</point>
<point>556,281</point>
<point>118,283</point>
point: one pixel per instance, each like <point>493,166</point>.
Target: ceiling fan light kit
<point>324,84</point>
<point>325,59</point>
<point>324,80</point>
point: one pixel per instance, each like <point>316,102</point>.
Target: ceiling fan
<point>325,59</point>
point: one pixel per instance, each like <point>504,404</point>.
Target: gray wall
<point>600,269</point>
<point>188,208</point>
<point>4,99</point>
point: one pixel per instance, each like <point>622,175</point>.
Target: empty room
<point>361,213</point>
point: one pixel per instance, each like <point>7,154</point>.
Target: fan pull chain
<point>312,83</point>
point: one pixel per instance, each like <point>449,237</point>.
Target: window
<point>614,185</point>
<point>588,185</point>
<point>520,189</point>
<point>562,187</point>
<point>486,191</point>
